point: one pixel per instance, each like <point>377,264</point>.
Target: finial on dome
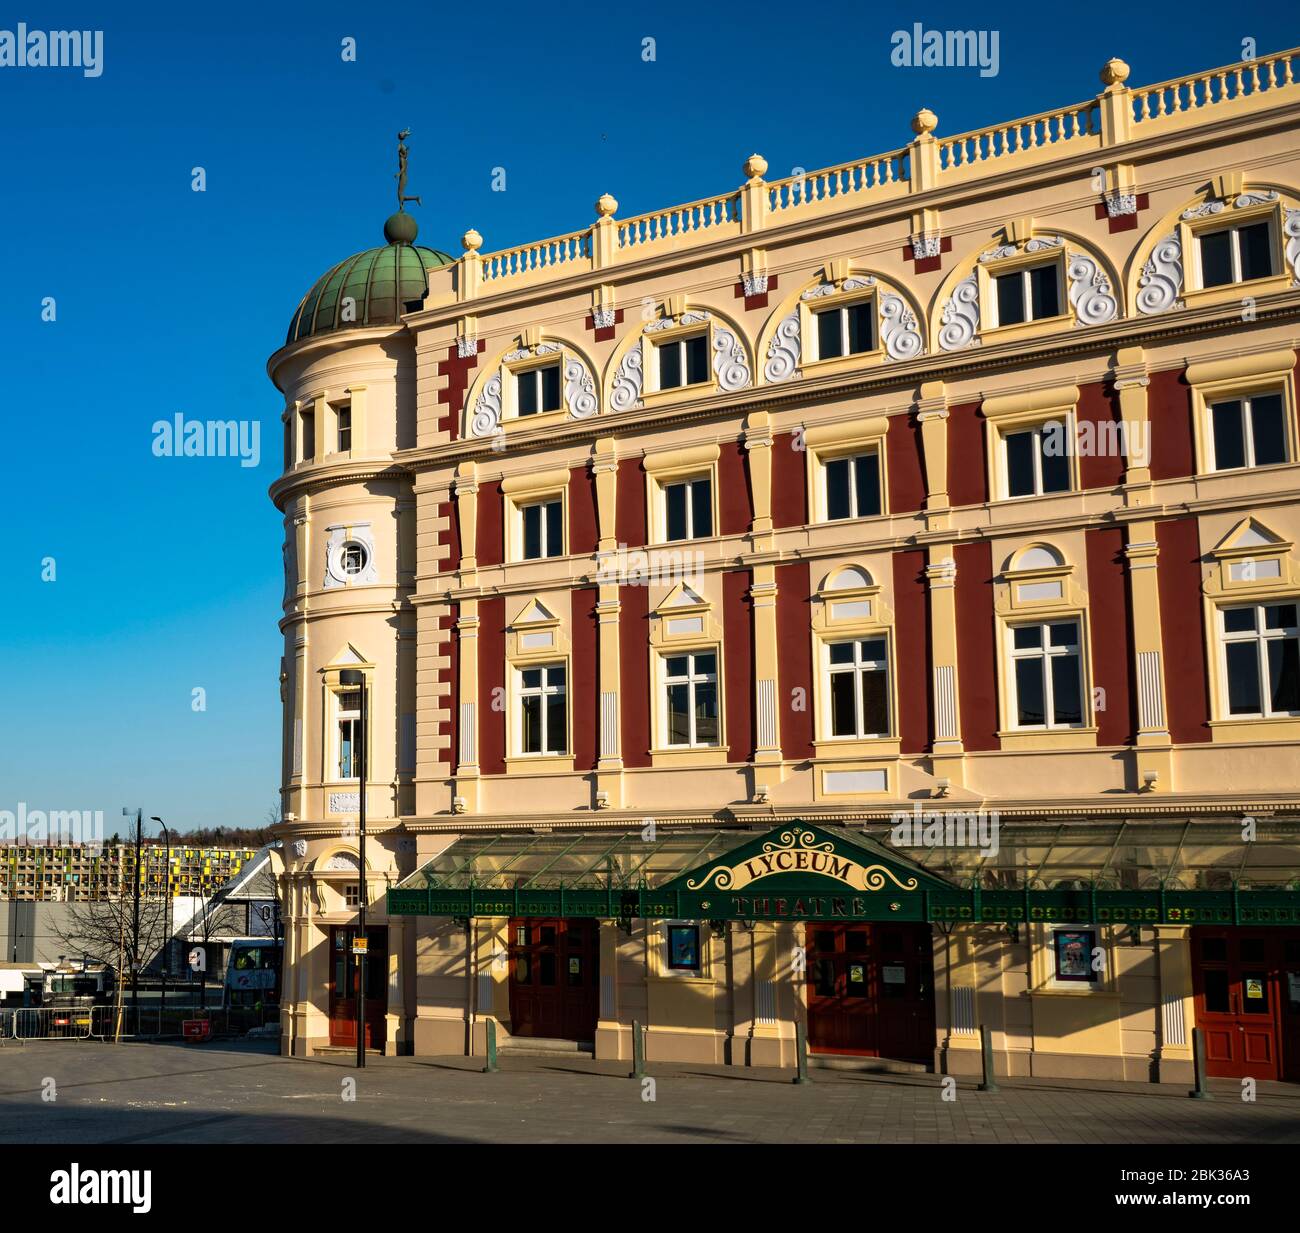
<point>401,228</point>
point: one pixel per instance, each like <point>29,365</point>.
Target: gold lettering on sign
<point>799,851</point>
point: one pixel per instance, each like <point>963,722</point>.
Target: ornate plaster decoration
<point>342,862</point>
<point>730,363</point>
<point>487,410</point>
<point>1162,277</point>
<point>300,848</point>
<point>579,389</point>
<point>784,350</point>
<point>1090,291</point>
<point>925,245</point>
<point>1204,210</point>
<point>523,353</point>
<point>466,345</point>
<point>1250,199</point>
<point>1291,229</point>
<point>961,316</point>
<point>339,537</point>
<point>1039,244</point>
<point>1118,204</point>
<point>898,329</point>
<point>694,317</point>
<point>855,283</point>
<point>626,393</point>
<point>753,284</point>
<point>602,317</point>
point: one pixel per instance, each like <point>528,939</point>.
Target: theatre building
<point>863,602</point>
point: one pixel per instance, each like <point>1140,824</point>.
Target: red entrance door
<point>1247,987</point>
<point>870,990</point>
<point>554,978</point>
<point>344,985</point>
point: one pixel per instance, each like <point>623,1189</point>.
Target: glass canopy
<point>1183,853</point>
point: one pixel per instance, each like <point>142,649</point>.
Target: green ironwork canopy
<point>1185,872</point>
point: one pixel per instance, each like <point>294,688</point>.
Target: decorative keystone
<point>924,122</point>
<point>471,241</point>
<point>606,205</point>
<point>755,167</point>
<point>1114,72</point>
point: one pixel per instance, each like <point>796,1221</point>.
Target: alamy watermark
<point>923,828</point>
<point>55,827</point>
<point>642,568</point>
<point>922,48</point>
<point>182,438</point>
<point>24,48</point>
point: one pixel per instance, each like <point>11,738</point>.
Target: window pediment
<point>1250,560</point>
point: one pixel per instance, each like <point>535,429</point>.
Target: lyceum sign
<point>796,851</point>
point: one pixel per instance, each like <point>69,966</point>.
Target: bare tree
<point>104,930</point>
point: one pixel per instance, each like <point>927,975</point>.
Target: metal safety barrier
<point>146,1022</point>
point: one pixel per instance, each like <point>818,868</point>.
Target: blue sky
<point>168,574</point>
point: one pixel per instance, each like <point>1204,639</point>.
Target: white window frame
<point>555,503</point>
<point>680,340</point>
<point>1235,228</point>
<point>823,463</point>
<point>688,481</point>
<point>691,680</point>
<point>352,718</point>
<point>855,669</point>
<point>842,310</point>
<point>343,410</point>
<point>1037,429</point>
<point>533,372</point>
<point>1247,412</point>
<point>1260,636</point>
<point>544,691</point>
<point>1026,290</point>
<point>1044,652</point>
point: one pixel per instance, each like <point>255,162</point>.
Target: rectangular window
<point>1261,659</point>
<point>349,729</point>
<point>683,361</point>
<point>688,509</point>
<point>343,424</point>
<point>1046,675</point>
<point>853,486</point>
<point>308,436</point>
<point>858,675</point>
<point>543,717</point>
<point>848,330</point>
<point>543,527</point>
<point>1028,295</point>
<point>691,698</point>
<point>538,390</point>
<point>1248,432</point>
<point>1236,254</point>
<point>288,442</point>
<point>1038,459</point>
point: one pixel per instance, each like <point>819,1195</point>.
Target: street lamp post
<point>351,676</point>
<point>135,918</point>
<point>167,913</point>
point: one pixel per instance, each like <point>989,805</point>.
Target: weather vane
<point>402,156</point>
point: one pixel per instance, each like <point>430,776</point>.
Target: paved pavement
<point>246,1093</point>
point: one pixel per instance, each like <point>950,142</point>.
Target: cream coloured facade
<point>608,520</point>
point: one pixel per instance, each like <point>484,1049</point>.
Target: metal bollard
<point>1200,1091</point>
<point>491,1068</point>
<point>638,1052</point>
<point>989,1083</point>
<point>801,1053</point>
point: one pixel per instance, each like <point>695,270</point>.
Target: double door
<point>1247,988</point>
<point>345,985</point>
<point>554,978</point>
<point>871,990</point>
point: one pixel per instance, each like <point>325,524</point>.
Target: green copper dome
<point>382,283</point>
